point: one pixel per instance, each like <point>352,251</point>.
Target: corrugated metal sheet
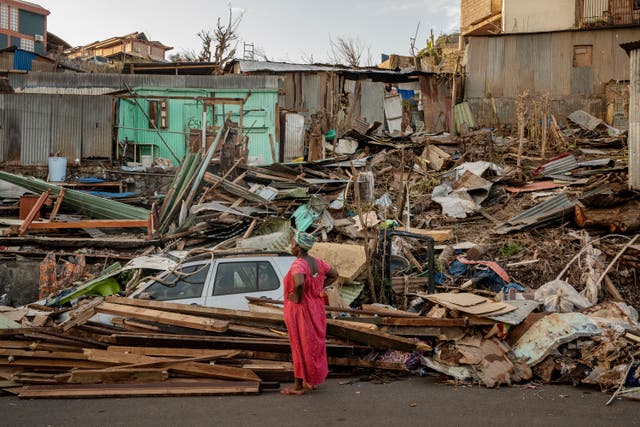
<point>33,126</point>
<point>311,101</point>
<point>66,134</point>
<point>371,101</point>
<point>634,121</point>
<point>541,214</point>
<point>594,10</point>
<point>97,84</point>
<point>293,137</point>
<point>97,124</point>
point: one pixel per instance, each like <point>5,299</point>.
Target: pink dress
<point>307,323</point>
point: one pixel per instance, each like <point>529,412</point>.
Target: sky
<point>285,30</point>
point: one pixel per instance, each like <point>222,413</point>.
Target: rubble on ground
<point>471,260</point>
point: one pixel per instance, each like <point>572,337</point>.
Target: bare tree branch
<point>346,51</point>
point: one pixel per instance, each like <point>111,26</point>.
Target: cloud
<point>425,10</point>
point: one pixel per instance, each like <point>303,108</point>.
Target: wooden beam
<point>424,321</point>
<point>376,339</point>
<point>34,212</point>
<point>164,317</point>
<point>194,369</point>
<point>176,352</point>
<point>92,376</point>
<point>56,207</point>
<point>93,223</point>
<point>220,313</point>
<point>165,388</point>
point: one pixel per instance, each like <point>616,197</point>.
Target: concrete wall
<point>526,16</point>
<point>20,280</point>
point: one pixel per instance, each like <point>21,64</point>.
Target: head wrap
<point>304,240</point>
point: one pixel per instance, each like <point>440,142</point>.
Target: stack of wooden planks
<point>113,346</point>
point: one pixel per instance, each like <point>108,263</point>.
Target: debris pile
<point>499,257</point>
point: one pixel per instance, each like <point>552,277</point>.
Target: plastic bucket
<point>146,160</point>
<point>57,169</point>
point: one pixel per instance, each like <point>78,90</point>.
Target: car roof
<point>208,255</point>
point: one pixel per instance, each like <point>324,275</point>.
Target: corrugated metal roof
<point>249,66</point>
<point>541,214</point>
<point>96,84</point>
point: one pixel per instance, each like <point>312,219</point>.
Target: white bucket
<point>57,169</point>
<point>147,161</point>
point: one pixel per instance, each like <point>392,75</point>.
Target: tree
<point>347,51</point>
<point>225,37</point>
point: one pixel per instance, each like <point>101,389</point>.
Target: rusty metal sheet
<point>66,119</point>
<point>97,122</point>
<point>550,332</point>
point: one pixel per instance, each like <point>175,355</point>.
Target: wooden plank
<point>52,363</point>
<point>376,339</point>
<point>93,223</point>
<point>186,368</point>
<point>56,207</point>
<point>219,313</point>
<point>424,322</point>
<point>165,388</point>
<point>103,376</point>
<point>163,317</point>
<point>361,363</point>
<point>81,314</point>
<point>42,354</point>
<point>176,352</point>
<point>436,235</point>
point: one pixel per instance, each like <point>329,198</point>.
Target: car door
<point>185,285</point>
<point>236,279</point>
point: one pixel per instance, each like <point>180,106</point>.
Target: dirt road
<point>412,402</point>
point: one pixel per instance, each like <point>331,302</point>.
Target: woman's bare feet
<point>292,392</point>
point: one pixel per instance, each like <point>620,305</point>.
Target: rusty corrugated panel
<point>10,134</point>
<point>97,124</point>
<point>66,130</point>
<point>35,124</point>
<point>545,213</point>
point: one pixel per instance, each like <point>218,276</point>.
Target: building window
<point>4,16</point>
<point>27,44</point>
<point>14,19</point>
<point>582,55</point>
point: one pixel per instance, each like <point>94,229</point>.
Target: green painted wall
<point>259,119</point>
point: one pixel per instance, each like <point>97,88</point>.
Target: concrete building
<point>23,25</point>
<point>134,47</point>
<point>566,49</point>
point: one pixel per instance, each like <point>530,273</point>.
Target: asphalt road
<point>411,402</point>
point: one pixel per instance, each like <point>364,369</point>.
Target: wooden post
<point>454,89</point>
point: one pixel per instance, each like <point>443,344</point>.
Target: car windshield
<point>186,282</point>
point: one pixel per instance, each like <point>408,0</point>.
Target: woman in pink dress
<point>304,315</point>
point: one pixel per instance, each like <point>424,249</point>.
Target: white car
<point>220,281</point>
